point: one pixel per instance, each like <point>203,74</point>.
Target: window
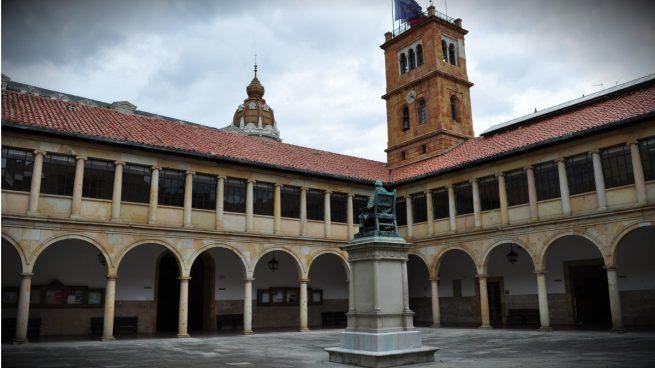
<point>419,55</point>
<point>617,166</point>
<point>338,207</point>
<point>98,179</point>
<point>262,194</point>
<point>17,167</point>
<point>401,212</point>
<point>452,57</point>
<point>647,155</point>
<point>290,201</point>
<point>440,204</point>
<point>580,174</point>
<point>204,192</point>
<point>422,112</point>
<point>171,187</point>
<point>516,186</point>
<point>424,148</point>
<point>419,208</point>
<point>405,118</point>
<point>136,183</point>
<point>454,116</point>
<point>315,204</point>
<point>463,198</point>
<point>58,174</point>
<point>359,203</point>
<point>234,196</point>
<point>444,49</point>
<point>488,190</point>
<point>403,64</point>
<point>546,180</point>
<point>403,155</point>
<point>412,59</point>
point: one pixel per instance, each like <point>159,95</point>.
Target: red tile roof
<point>28,110</point>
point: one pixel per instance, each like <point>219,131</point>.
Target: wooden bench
<point>334,320</point>
<point>9,328</point>
<point>122,325</point>
<point>523,318</point>
<point>233,322</point>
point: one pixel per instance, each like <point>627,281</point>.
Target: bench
<point>523,318</point>
<point>233,322</point>
<point>122,325</point>
<point>334,320</point>
<point>9,328</point>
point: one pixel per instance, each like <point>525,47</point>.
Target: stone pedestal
<point>380,330</point>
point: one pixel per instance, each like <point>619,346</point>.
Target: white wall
<point>518,278</point>
<point>229,274</point>
<point>457,265</point>
<point>286,275</point>
<point>328,273</point>
<point>635,261</point>
<point>568,248</point>
<point>136,273</point>
<point>73,262</point>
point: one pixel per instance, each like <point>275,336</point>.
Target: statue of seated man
<point>378,218</point>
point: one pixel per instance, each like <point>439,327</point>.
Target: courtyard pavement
<point>459,348</point>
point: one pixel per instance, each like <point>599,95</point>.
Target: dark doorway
<point>168,294</point>
<point>590,297</point>
<point>197,295</point>
<point>494,293</point>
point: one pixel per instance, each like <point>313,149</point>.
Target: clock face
<point>410,96</point>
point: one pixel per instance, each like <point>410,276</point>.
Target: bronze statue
<point>378,218</point>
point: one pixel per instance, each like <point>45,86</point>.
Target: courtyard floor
<point>458,348</point>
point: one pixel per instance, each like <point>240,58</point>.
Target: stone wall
<point>638,308</point>
<point>460,311</point>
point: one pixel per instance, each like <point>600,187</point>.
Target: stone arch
<point>542,254</point>
<point>244,261</point>
<point>184,271</point>
<point>111,269</point>
<point>622,234</point>
<point>302,271</point>
<point>23,260</point>
<point>495,244</point>
<point>344,260</point>
<point>439,258</point>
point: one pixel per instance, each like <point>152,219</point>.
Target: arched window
<point>419,55</point>
<point>451,54</point>
<point>444,49</point>
<point>405,118</point>
<point>422,112</point>
<point>403,63</point>
<point>454,107</point>
<point>412,59</point>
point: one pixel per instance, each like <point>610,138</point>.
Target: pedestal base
<point>391,358</point>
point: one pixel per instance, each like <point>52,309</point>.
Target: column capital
<point>251,181</point>
<point>540,272</point>
<point>498,175</point>
<point>278,185</point>
<point>350,195</point>
<point>26,275</point>
<point>221,177</point>
<point>595,151</point>
<point>559,160</point>
<point>79,157</point>
<point>528,168</point>
<point>190,172</point>
<point>610,268</point>
<point>184,278</point>
<point>304,280</point>
<point>111,277</point>
<point>632,141</point>
<point>119,163</point>
<point>474,180</point>
<point>155,168</point>
<point>433,279</point>
<point>328,192</point>
<point>449,186</point>
<point>39,152</point>
<point>481,275</point>
<point>304,189</point>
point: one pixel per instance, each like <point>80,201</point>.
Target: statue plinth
<point>380,330</point>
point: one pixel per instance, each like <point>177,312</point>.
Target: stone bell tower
<point>428,101</point>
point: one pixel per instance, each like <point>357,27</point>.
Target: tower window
<point>412,59</point>
<point>424,148</point>
<point>422,112</point>
<point>444,49</point>
<point>403,155</point>
<point>454,107</point>
<point>419,55</point>
<point>405,118</point>
<point>403,63</point>
<point>451,54</point>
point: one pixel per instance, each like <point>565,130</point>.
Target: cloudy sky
<point>320,61</point>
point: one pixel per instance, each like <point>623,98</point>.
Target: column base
<point>107,338</point>
<point>618,329</point>
<point>436,325</point>
<point>485,327</point>
<point>115,220</point>
<point>248,332</point>
<point>305,329</point>
<point>76,217</point>
<point>545,329</point>
<point>30,213</point>
<point>188,225</point>
<point>602,208</point>
<point>19,342</point>
<point>183,336</point>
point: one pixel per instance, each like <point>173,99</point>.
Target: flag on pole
<point>407,9</point>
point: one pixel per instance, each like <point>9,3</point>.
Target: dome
<point>255,89</point>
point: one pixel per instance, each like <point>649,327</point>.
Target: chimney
<point>458,22</point>
<point>431,11</point>
<point>124,107</point>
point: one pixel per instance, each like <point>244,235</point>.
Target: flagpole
<point>393,20</point>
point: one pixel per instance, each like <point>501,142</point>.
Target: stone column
<point>564,187</point>
<point>220,195</point>
<point>436,314</point>
<point>76,204</point>
<point>476,203</point>
<point>303,210</point>
<point>277,208</point>
<point>303,305</point>
<point>247,305</point>
<point>117,192</point>
<point>410,216</point>
<point>542,292</point>
<point>452,210</point>
<point>154,195</point>
<point>532,194</point>
<point>638,171</point>
<point>23,311</point>
<point>327,216</point>
<point>188,198</point>
<point>349,216</point>
<point>249,205</point>
<point>108,320</point>
<point>484,302</point>
<point>184,307</point>
<point>600,180</point>
<point>35,188</point>
<point>502,196</point>
<point>430,211</point>
<point>615,299</point>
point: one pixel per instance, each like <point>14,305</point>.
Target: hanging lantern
<point>273,264</point>
<point>512,256</point>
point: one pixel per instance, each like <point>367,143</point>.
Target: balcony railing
<point>404,25</point>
